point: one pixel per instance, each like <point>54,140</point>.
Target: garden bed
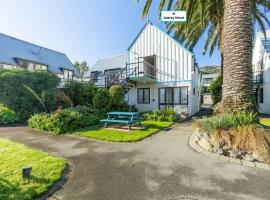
<point>46,171</point>
<point>236,136</point>
<point>149,128</point>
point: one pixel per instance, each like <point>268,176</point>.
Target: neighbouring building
<point>206,79</point>
<point>156,73</point>
<point>18,53</point>
<point>261,71</point>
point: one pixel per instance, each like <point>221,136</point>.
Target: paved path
<point>161,167</point>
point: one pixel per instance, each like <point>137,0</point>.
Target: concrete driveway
<point>161,167</point>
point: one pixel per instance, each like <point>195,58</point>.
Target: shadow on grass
<point>98,127</point>
<point>19,189</point>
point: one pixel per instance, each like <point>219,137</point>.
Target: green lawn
<point>265,121</point>
<point>46,170</point>
<point>150,128</point>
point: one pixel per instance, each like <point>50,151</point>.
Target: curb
<point>192,143</point>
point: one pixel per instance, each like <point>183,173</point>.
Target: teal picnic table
<point>129,118</point>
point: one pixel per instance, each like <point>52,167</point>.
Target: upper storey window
<point>30,65</point>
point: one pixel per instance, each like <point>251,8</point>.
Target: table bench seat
<point>128,118</point>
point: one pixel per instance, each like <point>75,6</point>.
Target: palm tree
<point>206,16</point>
<point>237,80</point>
<point>81,67</point>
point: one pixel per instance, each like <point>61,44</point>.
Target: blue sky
<point>83,29</point>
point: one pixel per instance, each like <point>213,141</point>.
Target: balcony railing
<point>258,77</point>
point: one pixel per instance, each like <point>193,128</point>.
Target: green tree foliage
<point>14,95</point>
<point>80,93</point>
<point>215,90</point>
<point>81,67</point>
<point>102,100</point>
<point>117,94</point>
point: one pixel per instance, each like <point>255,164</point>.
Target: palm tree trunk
<point>237,70</point>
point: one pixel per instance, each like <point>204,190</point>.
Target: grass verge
<point>47,169</point>
<point>265,121</point>
<point>96,132</point>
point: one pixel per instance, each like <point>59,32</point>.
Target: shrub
<point>215,90</point>
<point>157,115</point>
<point>227,121</point>
<point>102,99</point>
<point>117,94</point>
<point>64,121</point>
<point>80,93</point>
<point>15,95</point>
<point>7,116</point>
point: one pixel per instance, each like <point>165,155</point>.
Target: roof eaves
<point>138,35</point>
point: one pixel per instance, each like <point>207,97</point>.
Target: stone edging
<point>192,143</point>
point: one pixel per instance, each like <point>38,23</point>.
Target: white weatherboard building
<point>159,73</point>
<point>261,71</point>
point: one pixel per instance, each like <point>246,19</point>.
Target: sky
<point>85,30</point>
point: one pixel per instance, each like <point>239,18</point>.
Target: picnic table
<point>129,118</point>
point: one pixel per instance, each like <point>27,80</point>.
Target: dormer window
<point>68,75</point>
<point>30,65</point>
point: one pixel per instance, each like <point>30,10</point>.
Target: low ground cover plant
<point>158,115</point>
<point>64,120</point>
<point>7,116</point>
<point>239,131</point>
<point>46,170</point>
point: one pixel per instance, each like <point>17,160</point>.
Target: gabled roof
<point>149,23</point>
<point>113,62</point>
<point>12,48</point>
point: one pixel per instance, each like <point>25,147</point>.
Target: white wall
<point>189,109</point>
<point>259,54</point>
<point>172,58</point>
<point>5,66</point>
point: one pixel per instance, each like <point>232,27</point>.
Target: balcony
<point>258,77</point>
<point>144,71</point>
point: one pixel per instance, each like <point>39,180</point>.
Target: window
<point>173,96</point>
<point>68,75</point>
<point>194,90</point>
<point>143,95</point>
<point>29,65</point>
<point>261,95</point>
<point>94,75</point>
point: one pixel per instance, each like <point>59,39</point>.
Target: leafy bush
<point>227,121</point>
<point>102,99</point>
<point>117,94</point>
<point>158,115</point>
<point>64,121</point>
<point>215,90</point>
<point>80,93</point>
<point>15,95</point>
<point>7,116</point>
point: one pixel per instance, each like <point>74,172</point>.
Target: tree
<point>208,16</point>
<point>237,81</point>
<point>81,67</point>
<point>215,90</point>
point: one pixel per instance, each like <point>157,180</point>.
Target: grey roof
<point>113,62</point>
<point>12,48</point>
